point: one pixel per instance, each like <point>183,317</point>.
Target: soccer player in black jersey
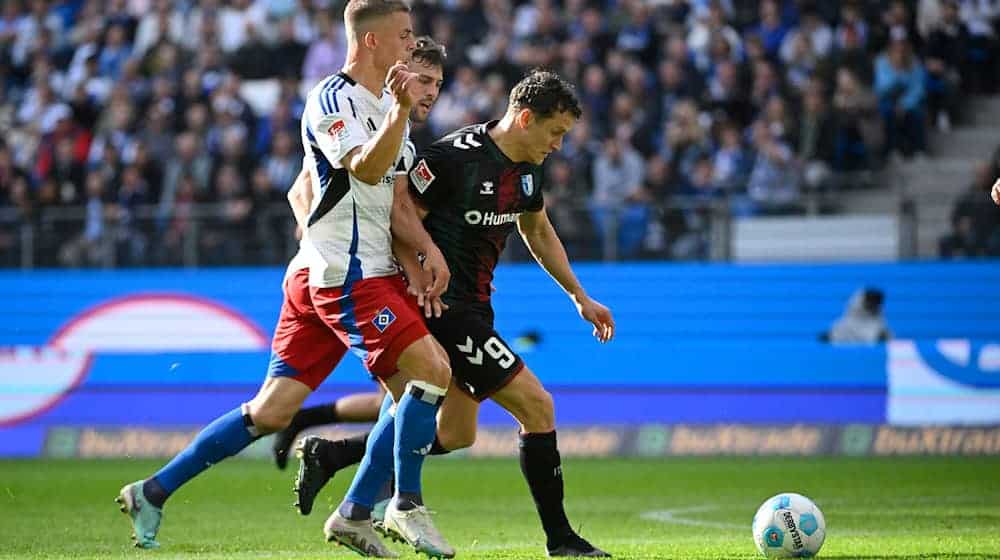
<point>472,188</point>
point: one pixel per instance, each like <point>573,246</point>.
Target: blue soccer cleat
<point>144,515</point>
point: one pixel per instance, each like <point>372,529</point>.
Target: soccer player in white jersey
<point>350,297</point>
<point>427,62</point>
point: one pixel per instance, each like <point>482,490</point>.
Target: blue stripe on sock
<point>224,437</point>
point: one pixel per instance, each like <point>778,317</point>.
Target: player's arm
<point>996,192</point>
<point>548,250</point>
<point>300,198</point>
<point>410,239</point>
<point>371,160</point>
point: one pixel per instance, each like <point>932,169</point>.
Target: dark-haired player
<point>471,188</point>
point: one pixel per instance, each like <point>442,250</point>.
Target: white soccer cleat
<point>356,535</point>
<point>416,528</point>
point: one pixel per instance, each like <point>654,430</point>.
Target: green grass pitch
<point>672,508</point>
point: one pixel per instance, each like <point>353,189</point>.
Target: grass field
<point>678,508</point>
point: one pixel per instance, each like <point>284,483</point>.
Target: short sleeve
<point>407,159</point>
<point>334,131</point>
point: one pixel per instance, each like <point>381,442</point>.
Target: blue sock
<point>416,426</point>
<point>387,403</point>
<point>375,467</point>
<point>224,437</point>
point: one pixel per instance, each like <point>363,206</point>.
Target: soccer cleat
<point>281,445</point>
<point>378,517</point>
<point>145,516</point>
<point>575,545</point>
<point>414,526</point>
<point>356,535</point>
<point>312,475</point>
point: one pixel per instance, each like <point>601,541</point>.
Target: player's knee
<point>436,371</point>
<point>539,412</point>
<point>453,440</point>
<point>270,419</point>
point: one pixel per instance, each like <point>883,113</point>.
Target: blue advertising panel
<point>695,345</point>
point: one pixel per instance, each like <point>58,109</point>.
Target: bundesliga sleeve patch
<point>338,129</point>
<point>421,176</point>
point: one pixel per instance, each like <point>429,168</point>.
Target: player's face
<point>545,136</point>
<point>430,78</point>
<point>394,39</point>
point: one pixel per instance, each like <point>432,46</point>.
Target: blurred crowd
<point>138,131</point>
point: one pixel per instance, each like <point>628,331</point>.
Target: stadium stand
<point>153,132</point>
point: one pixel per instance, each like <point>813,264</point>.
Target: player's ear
<point>524,118</point>
<point>369,40</point>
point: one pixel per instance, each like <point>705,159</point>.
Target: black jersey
<point>474,194</point>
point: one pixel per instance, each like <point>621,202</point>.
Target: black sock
<point>315,416</point>
<point>542,469</point>
<point>437,448</point>
<point>153,492</point>
<point>336,455</point>
<point>409,500</point>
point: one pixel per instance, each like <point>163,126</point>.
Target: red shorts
<point>374,317</point>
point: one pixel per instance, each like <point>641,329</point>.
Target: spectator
<point>326,55</point>
<point>282,165</point>
<point>817,138</point>
<point>731,165</point>
<point>947,68</point>
<point>114,53</point>
<point>975,221</point>
<point>899,84</point>
<point>710,26</point>
<point>618,204</point>
<point>685,138</point>
<point>771,30</point>
<point>855,113</point>
<point>89,248</point>
<point>561,200</point>
<point>164,23</point>
<point>773,185</point>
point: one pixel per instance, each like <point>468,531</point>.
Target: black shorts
<point>482,363</point>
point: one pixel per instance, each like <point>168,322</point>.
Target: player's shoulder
<point>466,143</point>
<point>333,94</point>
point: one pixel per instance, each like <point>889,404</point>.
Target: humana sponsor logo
<point>475,217</point>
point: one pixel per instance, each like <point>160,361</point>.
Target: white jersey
<point>348,236</point>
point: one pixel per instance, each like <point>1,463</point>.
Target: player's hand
<point>400,82</point>
<point>440,276</point>
<point>996,192</point>
<point>597,315</point>
<point>418,285</point>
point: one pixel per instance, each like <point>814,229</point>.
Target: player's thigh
<point>481,361</point>
<point>526,399</point>
<point>457,420</point>
<point>302,348</point>
<point>383,326</point>
<point>276,403</point>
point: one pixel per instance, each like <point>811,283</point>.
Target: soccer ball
<point>789,526</point>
